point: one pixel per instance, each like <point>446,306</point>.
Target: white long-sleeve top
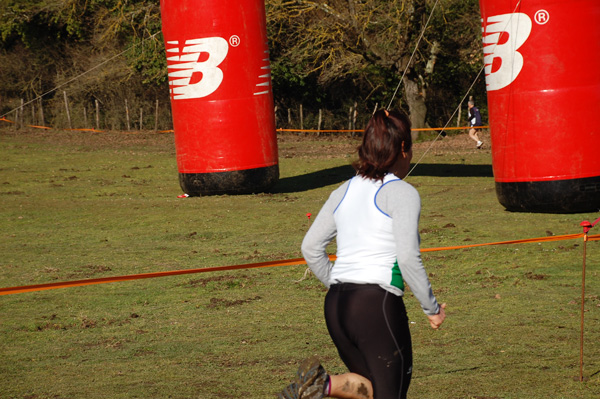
<point>376,224</point>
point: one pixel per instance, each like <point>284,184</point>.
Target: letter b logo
<point>502,37</point>
<point>194,71</point>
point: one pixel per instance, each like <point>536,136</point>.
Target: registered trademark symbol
<point>234,40</point>
<point>541,17</point>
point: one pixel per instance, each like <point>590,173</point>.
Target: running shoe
<point>311,378</point>
<point>289,392</point>
<point>309,383</point>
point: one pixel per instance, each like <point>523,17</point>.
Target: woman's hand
<point>436,320</point>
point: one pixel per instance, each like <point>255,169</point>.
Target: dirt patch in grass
<point>226,303</point>
<point>533,276</point>
<point>203,282</point>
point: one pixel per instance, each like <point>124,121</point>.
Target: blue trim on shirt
<point>375,197</point>
<point>342,200</point>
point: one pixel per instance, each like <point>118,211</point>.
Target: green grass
<point>84,205</point>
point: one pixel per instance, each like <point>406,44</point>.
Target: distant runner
<point>474,120</point>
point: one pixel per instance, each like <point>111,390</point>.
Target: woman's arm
<point>320,234</point>
<point>401,201</point>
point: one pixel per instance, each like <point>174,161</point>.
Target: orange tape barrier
<point>362,130</point>
<point>318,131</point>
<point>281,129</point>
<point>78,283</point>
<point>77,129</point>
<point>39,127</point>
<point>524,241</point>
<point>288,262</point>
<point>49,128</point>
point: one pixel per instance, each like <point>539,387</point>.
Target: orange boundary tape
<point>39,127</point>
<point>362,130</point>
<point>279,130</point>
<point>523,241</point>
<point>288,262</point>
<point>79,283</point>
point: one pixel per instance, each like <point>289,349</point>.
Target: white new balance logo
<point>194,72</point>
<point>502,37</point>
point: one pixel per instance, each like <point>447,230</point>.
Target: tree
<point>46,43</point>
<point>370,43</point>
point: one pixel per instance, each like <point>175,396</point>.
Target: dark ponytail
<point>382,143</point>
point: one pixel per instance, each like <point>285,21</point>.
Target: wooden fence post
<point>67,108</point>
<point>156,116</point>
<point>22,114</point>
<point>320,120</point>
<point>350,119</point>
<point>127,115</point>
<point>141,118</point>
<point>301,119</point>
<point>42,121</point>
<point>355,114</point>
<point>97,114</point>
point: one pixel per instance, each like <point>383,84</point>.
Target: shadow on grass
<point>452,170</point>
<point>339,174</point>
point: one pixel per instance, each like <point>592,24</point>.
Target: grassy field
<point>85,205</point>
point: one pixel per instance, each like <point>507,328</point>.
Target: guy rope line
<point>463,99</point>
<point>412,55</point>
<point>277,263</point>
<point>447,123</point>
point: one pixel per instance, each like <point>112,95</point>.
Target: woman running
<point>374,217</point>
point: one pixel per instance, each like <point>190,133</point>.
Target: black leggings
<point>369,345</point>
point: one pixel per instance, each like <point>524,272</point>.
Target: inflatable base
<point>557,196</point>
<point>245,181</point>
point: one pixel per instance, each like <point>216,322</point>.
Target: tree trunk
<point>415,98</point>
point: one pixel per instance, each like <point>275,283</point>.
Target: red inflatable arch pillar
<point>542,67</point>
<point>221,97</point>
